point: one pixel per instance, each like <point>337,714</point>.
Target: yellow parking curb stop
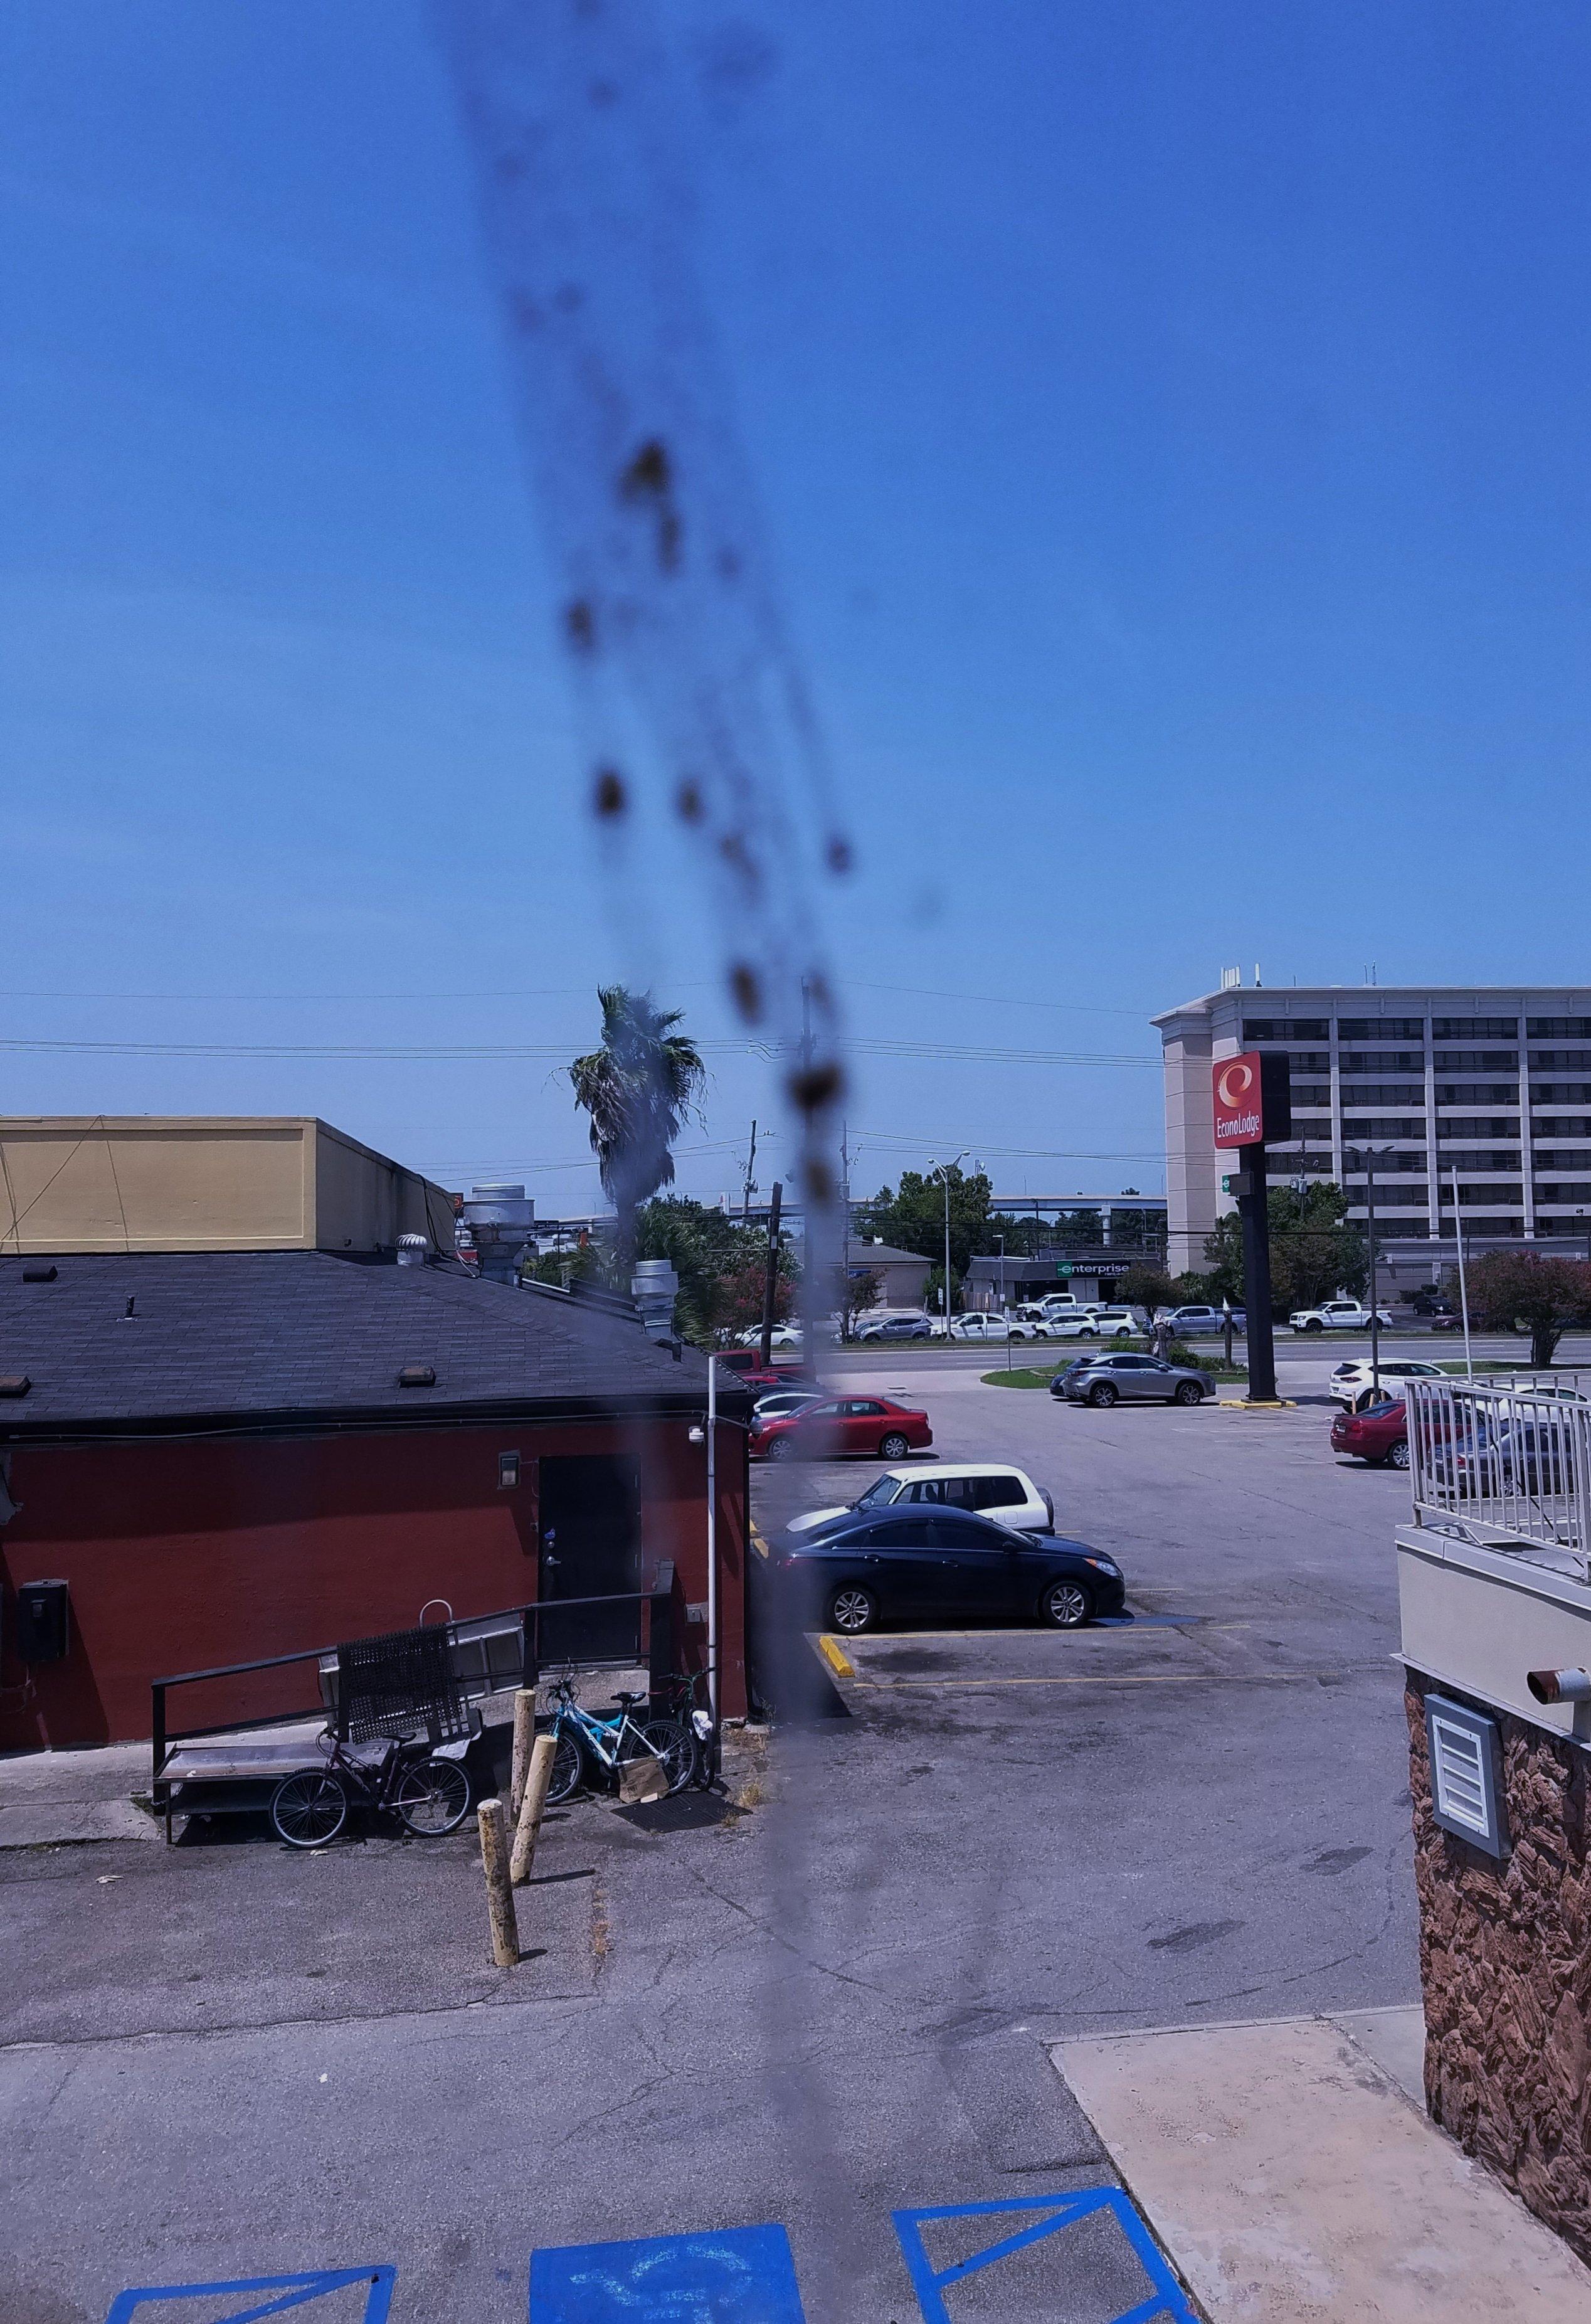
<point>835,1657</point>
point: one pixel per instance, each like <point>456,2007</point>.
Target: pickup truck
<point>1336,1316</point>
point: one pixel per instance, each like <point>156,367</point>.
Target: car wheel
<point>781,1449</point>
<point>1066,1605</point>
<point>1189,1392</point>
<point>1398,1458</point>
<point>1088,1335</point>
<point>893,1448</point>
<point>1316,1326</point>
<point>852,1610</point>
<point>1102,1395</point>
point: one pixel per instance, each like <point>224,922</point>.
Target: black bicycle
<point>429,1795</point>
<point>686,1695</point>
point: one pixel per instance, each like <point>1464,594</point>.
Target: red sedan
<point>1380,1435</point>
<point>846,1424</point>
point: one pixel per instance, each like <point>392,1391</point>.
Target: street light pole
<point>944,1169</point>
<point>1003,1309</point>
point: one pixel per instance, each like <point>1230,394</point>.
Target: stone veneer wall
<point>1505,1969</point>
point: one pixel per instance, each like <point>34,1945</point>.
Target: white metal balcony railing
<point>1506,1463</point>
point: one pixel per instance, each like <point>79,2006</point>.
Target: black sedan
<point>860,1570</point>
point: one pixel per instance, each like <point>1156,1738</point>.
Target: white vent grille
<point>1458,1773</point>
<point>1465,1787</point>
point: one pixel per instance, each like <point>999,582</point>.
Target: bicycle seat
<point>625,1701</point>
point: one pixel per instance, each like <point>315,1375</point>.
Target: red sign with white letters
<point>1239,1109</point>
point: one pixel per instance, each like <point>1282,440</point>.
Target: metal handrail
<point>1503,1463</point>
<point>658,1643</point>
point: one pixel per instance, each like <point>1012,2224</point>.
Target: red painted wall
<point>183,1556</point>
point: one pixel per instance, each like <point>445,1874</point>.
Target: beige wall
<point>205,1183</point>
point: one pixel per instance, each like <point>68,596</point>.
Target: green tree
<point>859,1291</point>
<point>637,1088</point>
<point>1148,1284</point>
<point>1024,1236</point>
<point>1520,1291</point>
<point>913,1217</point>
<point>721,1264</point>
<point>1314,1252</point>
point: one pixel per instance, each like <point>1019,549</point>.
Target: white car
<point>985,1329</point>
<point>1336,1316</point>
<point>779,1402</point>
<point>1088,1323</point>
<point>783,1335</point>
<point>1348,1381</point>
<point>990,1486</point>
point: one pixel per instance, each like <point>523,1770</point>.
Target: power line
<point>482,1051</point>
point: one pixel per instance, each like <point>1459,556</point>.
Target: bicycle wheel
<point>310,1809</point>
<point>432,1797</point>
<point>675,1745</point>
<point>568,1772</point>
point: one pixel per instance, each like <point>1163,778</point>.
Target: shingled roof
<point>231,1338</point>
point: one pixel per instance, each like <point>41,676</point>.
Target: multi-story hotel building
<point>1494,1082</point>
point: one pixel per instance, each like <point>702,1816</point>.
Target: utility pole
<point>1463,1285</point>
<point>770,1280</point>
<point>1004,1310</point>
<point>750,1186</point>
<point>844,1233</point>
<point>1370,1238</point>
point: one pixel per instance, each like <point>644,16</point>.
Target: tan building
<point>206,1182</point>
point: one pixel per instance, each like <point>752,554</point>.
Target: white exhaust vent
<point>1466,1793</point>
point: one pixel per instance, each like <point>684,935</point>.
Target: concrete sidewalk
<point>1290,2170</point>
<point>60,1798</point>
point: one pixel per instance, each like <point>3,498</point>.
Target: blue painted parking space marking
<point>734,2275</point>
<point>281,2292</point>
<point>1059,2212</point>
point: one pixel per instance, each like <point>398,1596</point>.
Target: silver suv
<point>1105,1380</point>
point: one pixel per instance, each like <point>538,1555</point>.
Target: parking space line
<point>1133,1678</point>
<point>291,2291</point>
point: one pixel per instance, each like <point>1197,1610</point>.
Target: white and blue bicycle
<point>586,1743</point>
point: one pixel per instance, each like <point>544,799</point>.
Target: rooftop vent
<point>39,1270</point>
<point>14,1384</point>
<point>412,1250</point>
<point>418,1375</point>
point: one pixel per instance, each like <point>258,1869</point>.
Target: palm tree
<point>637,1088</point>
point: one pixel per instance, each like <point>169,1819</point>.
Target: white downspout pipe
<point>712,1538</point>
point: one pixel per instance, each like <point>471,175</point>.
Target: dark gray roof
<point>883,1254</point>
<point>234,1336</point>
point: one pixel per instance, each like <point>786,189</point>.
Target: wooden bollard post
<point>500,1895</point>
<point>527,1829</point>
<point>524,1735</point>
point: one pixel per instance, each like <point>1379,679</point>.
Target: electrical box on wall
<point>43,1623</point>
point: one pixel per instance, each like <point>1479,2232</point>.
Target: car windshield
<point>882,1489</point>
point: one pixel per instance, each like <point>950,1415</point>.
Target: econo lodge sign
<point>1240,1108</point>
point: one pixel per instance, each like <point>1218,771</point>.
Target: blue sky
<point>1170,427</point>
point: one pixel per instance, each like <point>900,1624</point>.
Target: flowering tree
<point>1520,1291</point>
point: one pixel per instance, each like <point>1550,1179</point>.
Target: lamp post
<point>1368,1156</point>
<point>942,1170</point>
<point>1003,1309</point>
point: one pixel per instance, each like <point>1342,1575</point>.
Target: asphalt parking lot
<point>829,2001</point>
